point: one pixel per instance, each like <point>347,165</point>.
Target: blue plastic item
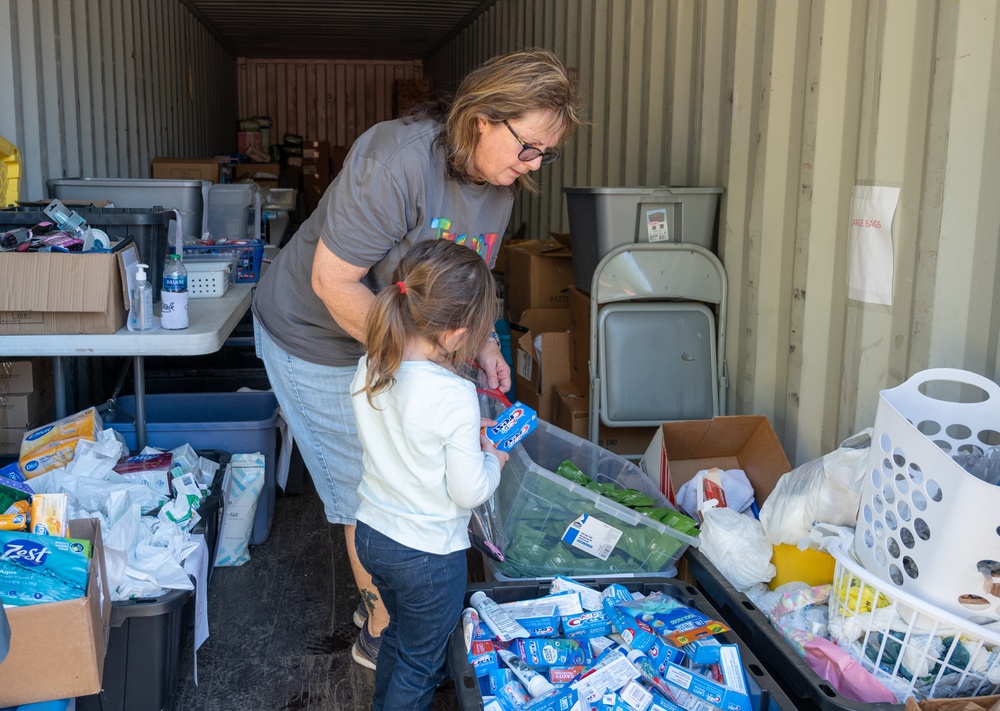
<point>238,422</point>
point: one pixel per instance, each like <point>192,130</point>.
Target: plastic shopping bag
<point>241,487</point>
<point>826,490</point>
<point>736,545</point>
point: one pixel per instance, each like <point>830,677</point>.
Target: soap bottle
<point>140,315</point>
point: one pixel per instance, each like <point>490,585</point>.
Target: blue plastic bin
<point>237,423</point>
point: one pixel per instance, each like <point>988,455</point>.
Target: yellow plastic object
<point>810,566</point>
<point>10,173</point>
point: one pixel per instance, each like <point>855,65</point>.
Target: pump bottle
<point>140,315</point>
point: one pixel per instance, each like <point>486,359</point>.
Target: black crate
<point>144,648</point>
<point>765,692</point>
<point>146,226</point>
<point>800,682</point>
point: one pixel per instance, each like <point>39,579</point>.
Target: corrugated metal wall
<point>99,88</point>
<point>789,104</point>
<point>320,100</point>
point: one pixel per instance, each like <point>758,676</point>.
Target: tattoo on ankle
<point>369,598</point>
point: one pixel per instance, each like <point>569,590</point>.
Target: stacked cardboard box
<point>317,171</point>
<point>186,169</point>
<point>407,92</point>
<point>27,396</point>
<point>263,174</point>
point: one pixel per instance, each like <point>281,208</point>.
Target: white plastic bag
<point>241,487</point>
<point>824,490</point>
<point>737,546</point>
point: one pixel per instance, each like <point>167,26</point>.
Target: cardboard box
<point>537,275</point>
<point>22,410</point>
<point>316,154</point>
<point>10,440</point>
<point>579,335</point>
<point>263,174</point>
<point>536,372</point>
<point>249,140</point>
<point>56,292</point>
<point>57,649</point>
<point>571,412</point>
<point>967,703</point>
<point>24,375</point>
<point>681,449</point>
<point>313,187</point>
<point>186,169</point>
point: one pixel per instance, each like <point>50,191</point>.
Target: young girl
<point>426,465</point>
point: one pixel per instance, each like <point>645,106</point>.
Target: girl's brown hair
<point>502,89</point>
<point>445,287</point>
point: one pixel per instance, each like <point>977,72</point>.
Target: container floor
<point>280,625</point>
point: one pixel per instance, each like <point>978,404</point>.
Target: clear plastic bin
<point>229,210</point>
<point>536,506</point>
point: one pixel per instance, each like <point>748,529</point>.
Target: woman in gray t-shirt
<point>449,171</point>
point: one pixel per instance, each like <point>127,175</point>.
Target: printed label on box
<point>656,225</point>
<point>593,536</point>
<point>524,364</point>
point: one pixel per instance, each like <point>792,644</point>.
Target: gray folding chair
<point>657,336</point>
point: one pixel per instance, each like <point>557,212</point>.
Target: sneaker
<point>365,649</point>
<point>361,615</point>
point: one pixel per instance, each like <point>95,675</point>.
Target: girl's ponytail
<point>385,337</point>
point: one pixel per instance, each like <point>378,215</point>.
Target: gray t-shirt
<point>392,192</point>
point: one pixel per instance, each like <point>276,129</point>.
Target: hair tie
<point>402,287</point>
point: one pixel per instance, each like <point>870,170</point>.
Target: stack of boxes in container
<point>27,395</point>
<point>550,339</point>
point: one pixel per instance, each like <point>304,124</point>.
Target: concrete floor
<point>281,628</point>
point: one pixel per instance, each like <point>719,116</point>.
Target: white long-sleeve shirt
<point>424,469</point>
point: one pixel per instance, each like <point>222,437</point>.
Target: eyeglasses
<point>529,152</point>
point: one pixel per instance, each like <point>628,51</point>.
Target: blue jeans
<point>315,401</point>
<point>423,594</point>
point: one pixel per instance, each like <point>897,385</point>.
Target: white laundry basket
<point>912,647</point>
<point>926,525</point>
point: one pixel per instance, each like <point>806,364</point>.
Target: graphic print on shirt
<point>483,244</point>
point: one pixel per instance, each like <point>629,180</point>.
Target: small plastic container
<point>210,278</point>
<point>229,210</point>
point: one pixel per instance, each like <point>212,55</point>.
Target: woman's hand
<point>495,368</point>
<point>487,446</point>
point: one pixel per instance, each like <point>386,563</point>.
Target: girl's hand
<point>487,446</point>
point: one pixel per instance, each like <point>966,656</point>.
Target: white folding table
<point>211,323</point>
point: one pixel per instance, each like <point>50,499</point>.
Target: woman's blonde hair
<point>439,286</point>
<point>505,88</point>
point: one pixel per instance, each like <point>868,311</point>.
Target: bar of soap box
<point>612,650</point>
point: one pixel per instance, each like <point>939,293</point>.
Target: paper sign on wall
<point>869,245</point>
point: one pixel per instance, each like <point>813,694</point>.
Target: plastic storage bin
<point>143,657</point>
<point>249,256</point>
<point>602,218</point>
<point>765,692</point>
<point>229,210</point>
<point>231,422</point>
<point>209,278</point>
<point>187,196</point>
<point>536,507</point>
<point>147,227</point>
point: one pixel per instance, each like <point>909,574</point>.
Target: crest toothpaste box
<point>513,424</point>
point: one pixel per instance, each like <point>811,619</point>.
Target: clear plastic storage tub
<point>537,506</point>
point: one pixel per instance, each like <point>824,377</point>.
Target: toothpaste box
<point>563,699</point>
<point>513,425</point>
<point>540,654</point>
<point>592,623</point>
<point>636,633</point>
<point>661,652</point>
<point>725,697</point>
<point>564,675</point>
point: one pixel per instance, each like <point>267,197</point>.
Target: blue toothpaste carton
<point>513,424</point>
<point>591,623</point>
<point>540,654</point>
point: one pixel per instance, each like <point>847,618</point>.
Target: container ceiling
<point>335,29</point>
